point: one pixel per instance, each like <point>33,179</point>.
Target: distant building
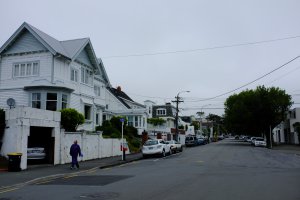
<point>285,132</point>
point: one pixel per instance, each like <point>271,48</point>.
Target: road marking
<point>66,177</point>
<point>42,182</point>
<point>91,171</point>
<point>8,190</point>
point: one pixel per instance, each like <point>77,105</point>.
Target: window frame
<point>97,90</point>
<point>37,100</point>
<point>74,74</point>
<point>88,113</point>
<point>87,76</point>
<point>161,112</point>
<point>26,69</point>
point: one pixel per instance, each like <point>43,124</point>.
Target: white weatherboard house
<point>39,76</point>
<point>285,132</point>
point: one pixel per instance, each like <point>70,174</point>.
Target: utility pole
<point>177,101</point>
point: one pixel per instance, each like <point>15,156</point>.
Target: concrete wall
<point>93,146</point>
<point>18,123</point>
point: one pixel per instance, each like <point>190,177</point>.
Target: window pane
<point>51,96</point>
<point>97,118</point>
<point>76,75</point>
<point>28,69</point>
<point>36,104</point>
<point>22,70</point>
<point>36,96</point>
<point>35,70</point>
<point>51,103</point>
<point>87,112</point>
<point>82,75</point>
<point>72,75</point>
<point>64,101</point>
<point>36,100</point>
<point>16,71</point>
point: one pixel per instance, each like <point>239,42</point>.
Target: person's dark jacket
<point>75,150</point>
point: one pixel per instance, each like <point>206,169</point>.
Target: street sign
<point>122,120</point>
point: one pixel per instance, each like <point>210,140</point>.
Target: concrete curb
<point>119,163</point>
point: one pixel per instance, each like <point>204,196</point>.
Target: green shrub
<point>113,129</point>
<point>71,119</point>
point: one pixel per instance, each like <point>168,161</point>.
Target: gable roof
<point>69,49</point>
<point>121,96</point>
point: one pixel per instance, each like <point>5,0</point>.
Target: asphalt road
<point>224,170</point>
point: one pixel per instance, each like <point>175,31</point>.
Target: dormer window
<point>161,111</point>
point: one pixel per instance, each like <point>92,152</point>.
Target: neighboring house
<point>41,72</point>
<point>121,104</point>
<point>166,112</point>
<point>285,132</point>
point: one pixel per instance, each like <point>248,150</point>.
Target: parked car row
<point>192,140</point>
<point>160,148</point>
<point>254,141</point>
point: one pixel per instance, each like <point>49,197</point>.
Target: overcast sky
<point>157,48</point>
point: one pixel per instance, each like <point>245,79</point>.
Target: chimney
<point>119,89</point>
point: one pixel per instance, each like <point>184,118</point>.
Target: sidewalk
<point>44,172</point>
<point>287,148</point>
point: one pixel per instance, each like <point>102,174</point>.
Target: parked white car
<point>156,147</point>
<point>175,146</point>
<point>36,153</point>
<point>260,142</point>
<point>252,140</point>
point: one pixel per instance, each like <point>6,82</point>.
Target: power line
<point>281,66</point>
<point>215,97</point>
<point>201,49</point>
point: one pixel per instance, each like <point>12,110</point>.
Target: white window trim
<point>161,112</point>
<point>85,77</point>
<point>74,73</point>
<point>17,74</point>
<point>97,90</point>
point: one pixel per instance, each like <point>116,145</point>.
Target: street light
<point>177,110</point>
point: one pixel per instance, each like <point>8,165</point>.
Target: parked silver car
<point>36,153</point>
<point>175,146</point>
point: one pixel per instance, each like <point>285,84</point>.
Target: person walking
<point>75,151</point>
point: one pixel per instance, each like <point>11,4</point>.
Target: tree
<point>71,119</point>
<point>217,121</point>
<point>253,112</point>
<point>195,124</point>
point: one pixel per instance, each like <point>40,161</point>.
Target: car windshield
<point>170,142</point>
<point>151,142</point>
<point>259,139</point>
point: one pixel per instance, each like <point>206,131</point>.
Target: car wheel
<point>181,149</point>
<point>170,152</point>
<point>144,156</point>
